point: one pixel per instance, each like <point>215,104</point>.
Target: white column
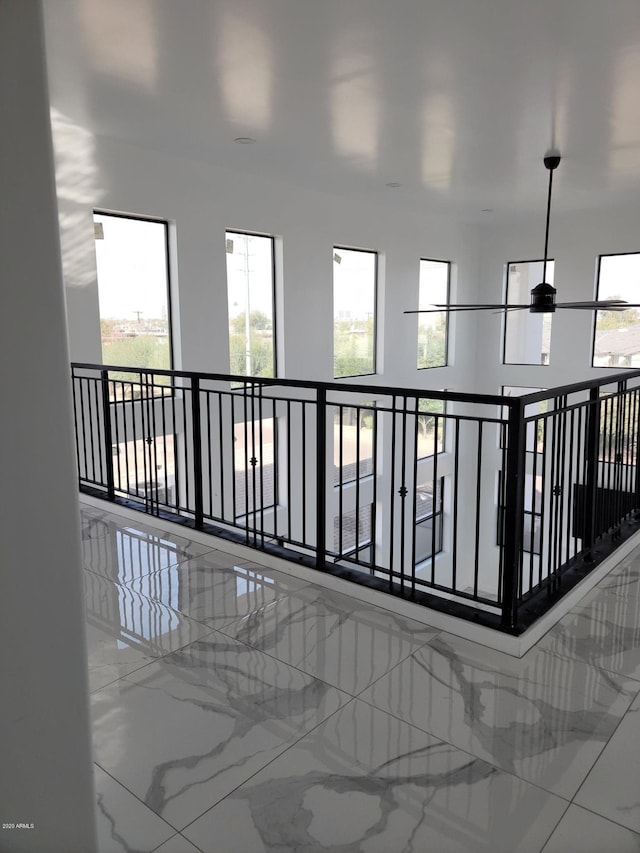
<point>45,763</point>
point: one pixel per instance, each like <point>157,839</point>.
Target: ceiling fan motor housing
<point>543,299</point>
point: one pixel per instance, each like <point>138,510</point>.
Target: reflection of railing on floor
<point>530,492</point>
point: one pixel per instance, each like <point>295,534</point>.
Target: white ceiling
<point>457,100</point>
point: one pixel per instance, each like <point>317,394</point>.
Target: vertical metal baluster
<point>321,476</point>
<point>108,437</point>
<point>232,404</point>
<point>476,556</point>
<point>84,428</point>
<point>207,394</point>
<point>611,462</point>
<point>165,463</point>
<point>275,465</point>
<point>246,463</point>
<point>254,463</point>
<point>580,477</point>
<point>434,501</point>
<point>403,491</point>
<point>392,490</point>
<point>358,412</point>
<point>552,499</point>
<point>288,409</point>
<point>99,429</point>
<point>260,432</point>
<point>618,452</point>
<point>594,423</point>
<point>630,460</point>
<point>116,419</point>
<point>340,409</point>
<point>196,434</point>
<point>126,434</point>
<point>374,454</point>
<point>414,502</point>
<point>562,428</point>
<point>176,456</point>
<point>570,489</point>
<point>456,478</point>
<point>74,382</point>
<point>303,407</point>
<point>534,502</point>
<point>513,514</point>
<point>185,432</point>
<point>220,397</point>
<point>153,448</point>
<point>136,440</point>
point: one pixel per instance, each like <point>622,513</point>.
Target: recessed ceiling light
<point>394,184</point>
<point>244,140</point>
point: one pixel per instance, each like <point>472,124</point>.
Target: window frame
<point>376,266</point>
<point>437,517</point>
<point>274,327</point>
<point>506,315</point>
<point>595,313</point>
<point>440,420</point>
<point>447,313</point>
<point>169,285</point>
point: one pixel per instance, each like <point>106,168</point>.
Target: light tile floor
<point>238,709</point>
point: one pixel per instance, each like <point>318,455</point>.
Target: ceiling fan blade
<point>439,309</point>
<point>602,305</point>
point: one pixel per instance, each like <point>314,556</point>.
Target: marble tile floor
<point>236,708</point>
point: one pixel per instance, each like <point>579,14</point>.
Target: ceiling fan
<point>543,295</point>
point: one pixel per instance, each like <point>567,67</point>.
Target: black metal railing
<point>487,507</point>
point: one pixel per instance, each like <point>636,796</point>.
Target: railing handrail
<point>387,390</point>
<point>395,391</point>
<point>575,387</point>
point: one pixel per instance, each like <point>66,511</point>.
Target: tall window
<point>527,337</point>
<point>133,290</point>
<point>428,519</point>
<point>430,427</point>
<point>432,328</point>
<point>617,333</point>
<point>354,312</point>
<point>250,289</point>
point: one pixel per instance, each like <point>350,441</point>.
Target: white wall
<point>202,202</point>
<point>576,240</point>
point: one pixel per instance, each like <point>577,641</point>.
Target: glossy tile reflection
<point>586,832</point>
<point>224,717</point>
<point>624,579</point>
<point>544,718</point>
<point>613,786</point>
<point>124,824</point>
<point>333,636</point>
<point>129,551</point>
<point>202,720</point>
<point>126,630</point>
<point>217,588</point>
<point>366,781</point>
<point>603,630</point>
